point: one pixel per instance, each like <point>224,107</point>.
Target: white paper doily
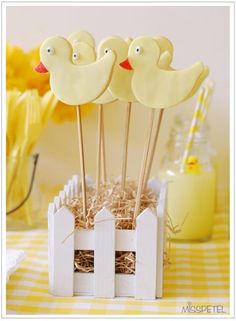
<point>13,259</point>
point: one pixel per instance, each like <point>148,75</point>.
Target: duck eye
<point>75,56</point>
<point>106,50</point>
<point>138,50</point>
<point>50,50</point>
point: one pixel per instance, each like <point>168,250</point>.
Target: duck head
<point>83,45</point>
<point>83,54</point>
<point>117,45</point>
<point>81,36</point>
<point>54,52</point>
<point>143,51</point>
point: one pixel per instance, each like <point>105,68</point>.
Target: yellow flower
<point>17,67</point>
<point>20,74</point>
<point>20,70</point>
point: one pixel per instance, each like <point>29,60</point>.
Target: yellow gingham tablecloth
<point>197,280</point>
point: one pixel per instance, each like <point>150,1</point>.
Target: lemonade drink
<point>191,203</point>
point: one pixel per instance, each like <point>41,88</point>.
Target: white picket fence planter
<point>147,240</point>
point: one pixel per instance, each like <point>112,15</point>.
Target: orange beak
<point>126,64</point>
<point>41,68</point>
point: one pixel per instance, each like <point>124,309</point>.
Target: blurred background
<point>197,33</point>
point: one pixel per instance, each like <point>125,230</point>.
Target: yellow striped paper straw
<point>209,88</point>
<point>193,128</point>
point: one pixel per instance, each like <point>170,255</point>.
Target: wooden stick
<point>103,160</point>
<point>153,148</point>
<point>82,167</point>
<point>99,136</point>
<point>144,164</point>
<point>125,150</point>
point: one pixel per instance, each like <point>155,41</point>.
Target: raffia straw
<point>124,262</point>
<point>122,205</point>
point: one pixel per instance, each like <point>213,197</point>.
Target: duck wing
<point>181,83</point>
<point>199,81</point>
<point>165,60</point>
<point>158,88</point>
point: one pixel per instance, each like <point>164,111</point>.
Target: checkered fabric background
<point>198,276</point>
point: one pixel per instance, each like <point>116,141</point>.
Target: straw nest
<point>122,205</point>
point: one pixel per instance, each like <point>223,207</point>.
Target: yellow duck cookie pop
<point>120,85</point>
<point>84,53</point>
<point>74,84</point>
<point>83,45</point>
<point>153,86</point>
<point>156,87</point>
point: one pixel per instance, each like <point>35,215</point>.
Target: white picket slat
<point>84,239</point>
<point>51,208</point>
<point>62,197</point>
<point>146,255</point>
<point>161,213</point>
<point>67,193</point>
<point>84,284</point>
<point>51,213</point>
<point>62,269</point>
<point>125,284</point>
<point>57,202</point>
<point>125,240</point>
<point>104,254</point>
<point>75,179</point>
<point>71,188</point>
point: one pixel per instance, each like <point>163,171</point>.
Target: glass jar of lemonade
<point>191,194</point>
